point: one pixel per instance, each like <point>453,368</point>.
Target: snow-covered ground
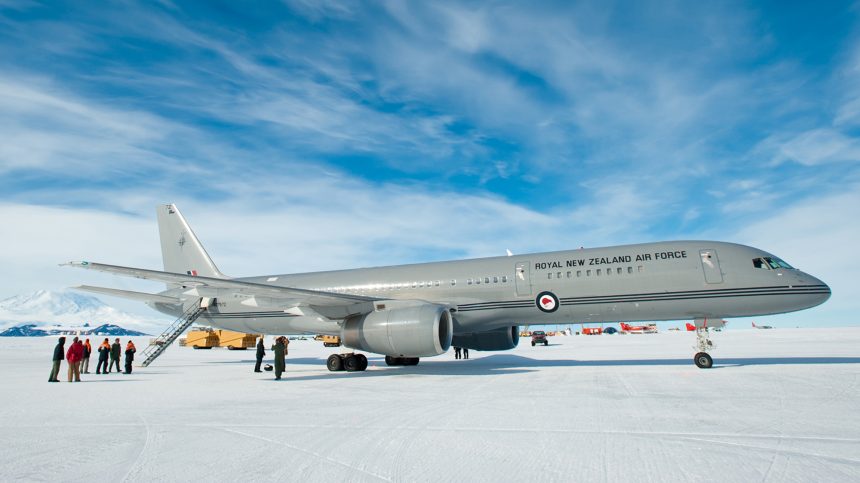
<point>780,405</point>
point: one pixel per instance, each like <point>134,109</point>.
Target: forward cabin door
<point>711,266</point>
<point>523,278</point>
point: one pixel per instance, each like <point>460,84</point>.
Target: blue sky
<point>336,134</point>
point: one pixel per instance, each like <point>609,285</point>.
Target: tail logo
<point>547,302</point>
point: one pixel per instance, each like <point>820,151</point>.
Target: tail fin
<point>180,248</point>
<point>754,327</point>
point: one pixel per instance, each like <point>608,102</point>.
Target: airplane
<point>639,329</point>
<point>406,312</point>
<point>761,326</point>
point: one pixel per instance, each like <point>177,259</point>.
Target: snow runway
<point>779,405</point>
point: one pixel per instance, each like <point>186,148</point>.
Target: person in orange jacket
<point>129,356</point>
<point>85,361</point>
<point>104,352</point>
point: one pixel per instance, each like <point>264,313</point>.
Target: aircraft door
<point>711,266</point>
<point>523,278</point>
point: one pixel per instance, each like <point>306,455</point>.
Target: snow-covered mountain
<point>66,309</point>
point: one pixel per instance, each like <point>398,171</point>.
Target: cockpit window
<point>770,263</point>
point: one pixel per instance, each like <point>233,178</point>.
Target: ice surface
<point>780,405</point>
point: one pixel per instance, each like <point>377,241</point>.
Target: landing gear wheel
<point>362,359</point>
<point>393,361</point>
<point>352,363</point>
<point>703,360</point>
<point>334,363</point>
<point>411,361</point>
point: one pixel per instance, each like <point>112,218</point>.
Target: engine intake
<point>500,339</point>
<point>403,328</point>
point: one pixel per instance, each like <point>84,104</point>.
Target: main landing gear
<point>703,344</point>
<point>346,362</point>
<point>401,361</point>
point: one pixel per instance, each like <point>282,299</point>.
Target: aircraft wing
<point>336,303</point>
<point>139,296</point>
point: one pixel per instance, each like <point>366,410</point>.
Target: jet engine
<point>400,328</point>
<point>500,339</point>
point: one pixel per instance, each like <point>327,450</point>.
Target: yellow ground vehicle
<point>236,340</point>
<point>207,338</point>
<point>201,338</point>
<point>329,340</point>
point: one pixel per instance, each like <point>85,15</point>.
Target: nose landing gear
<point>703,344</point>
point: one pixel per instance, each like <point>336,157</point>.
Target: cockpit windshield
<point>770,263</point>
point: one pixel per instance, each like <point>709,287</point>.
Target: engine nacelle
<point>401,328</point>
<point>500,339</point>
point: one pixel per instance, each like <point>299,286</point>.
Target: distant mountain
<point>31,330</point>
<point>72,312</point>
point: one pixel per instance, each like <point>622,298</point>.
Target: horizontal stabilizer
<point>127,294</point>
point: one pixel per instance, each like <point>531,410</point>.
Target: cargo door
<point>711,266</point>
<point>523,278</point>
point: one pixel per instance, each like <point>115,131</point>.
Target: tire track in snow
<point>302,450</point>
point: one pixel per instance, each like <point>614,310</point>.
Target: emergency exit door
<point>711,266</point>
<point>523,278</point>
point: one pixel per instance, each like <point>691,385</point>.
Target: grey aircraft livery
<point>419,310</point>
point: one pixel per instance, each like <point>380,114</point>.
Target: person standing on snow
<point>73,358</point>
<point>129,356</point>
<point>104,352</point>
<point>58,358</point>
<point>85,361</point>
<point>115,350</point>
<point>261,352</point>
<point>280,349</point>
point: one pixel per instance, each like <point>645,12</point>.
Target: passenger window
<point>469,281</point>
<point>609,271</point>
<point>640,269</point>
<point>558,275</point>
<point>578,273</point>
<point>598,271</point>
<point>568,274</point>
<point>486,279</point>
<point>414,284</point>
<point>495,279</point>
<point>588,273</point>
<point>504,279</point>
<point>453,282</point>
<point>618,270</point>
<point>549,275</point>
<point>478,281</point>
<point>629,269</point>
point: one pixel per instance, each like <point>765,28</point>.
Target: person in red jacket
<point>73,357</point>
<point>129,356</point>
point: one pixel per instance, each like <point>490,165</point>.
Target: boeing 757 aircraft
<point>410,311</point>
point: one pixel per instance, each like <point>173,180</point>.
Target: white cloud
<point>815,147</point>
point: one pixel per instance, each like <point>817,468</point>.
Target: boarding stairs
<point>163,341</point>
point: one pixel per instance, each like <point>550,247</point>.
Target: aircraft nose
<point>819,290</point>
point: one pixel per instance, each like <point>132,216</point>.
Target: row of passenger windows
<point>421,284</point>
<point>596,272</point>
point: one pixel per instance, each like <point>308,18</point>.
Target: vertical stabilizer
<point>180,248</point>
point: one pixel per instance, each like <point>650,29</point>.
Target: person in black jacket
<point>261,352</point>
<point>104,352</point>
<point>115,351</point>
<point>58,358</point>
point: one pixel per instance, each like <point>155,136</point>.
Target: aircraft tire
<point>363,360</point>
<point>393,361</point>
<point>334,363</point>
<point>703,360</point>
<point>411,361</point>
<point>352,363</point>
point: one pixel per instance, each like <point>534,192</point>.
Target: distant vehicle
<point>592,331</point>
<point>761,326</point>
<point>329,340</point>
<point>639,329</point>
<point>539,337</point>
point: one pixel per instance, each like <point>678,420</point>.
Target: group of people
<point>461,352</point>
<point>280,349</point>
<point>78,358</point>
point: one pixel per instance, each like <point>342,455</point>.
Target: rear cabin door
<point>523,278</point>
<point>711,266</point>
